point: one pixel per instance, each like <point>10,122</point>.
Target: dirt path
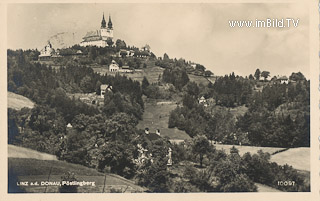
<point>264,188</point>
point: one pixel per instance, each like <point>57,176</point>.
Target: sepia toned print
<point>160,98</point>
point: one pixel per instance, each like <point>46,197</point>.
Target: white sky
<point>196,32</point>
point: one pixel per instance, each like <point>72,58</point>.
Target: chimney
<point>146,131</point>
<point>158,132</point>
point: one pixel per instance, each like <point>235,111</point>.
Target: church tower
<point>106,32</point>
<point>103,22</point>
<point>110,28</point>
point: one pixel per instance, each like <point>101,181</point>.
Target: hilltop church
<point>99,38</point>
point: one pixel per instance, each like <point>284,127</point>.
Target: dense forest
<point>105,136</point>
<point>277,116</point>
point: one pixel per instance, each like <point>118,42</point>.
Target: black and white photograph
<point>158,98</point>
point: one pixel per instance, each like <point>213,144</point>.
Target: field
<point>156,116</point>
<point>37,170</point>
<point>21,152</point>
<point>245,149</point>
<point>198,79</point>
<point>17,102</point>
<point>151,73</point>
<point>299,158</point>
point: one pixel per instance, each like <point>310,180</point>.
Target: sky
<point>195,32</point>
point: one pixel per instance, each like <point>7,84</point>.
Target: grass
<point>17,102</point>
<point>245,149</point>
<point>21,152</point>
<point>299,158</point>
<point>32,170</point>
<point>156,116</point>
<point>198,79</point>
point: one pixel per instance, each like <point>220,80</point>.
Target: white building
<point>46,52</point>
<point>113,67</point>
<point>125,69</point>
<point>203,101</point>
<point>283,80</point>
<point>100,37</point>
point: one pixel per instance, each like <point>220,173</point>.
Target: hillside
<point>245,149</point>
<point>156,116</point>
<point>17,102</point>
<point>21,152</point>
<point>41,168</point>
<point>152,73</point>
<point>299,158</point>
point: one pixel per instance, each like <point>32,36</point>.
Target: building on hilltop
<point>46,52</point>
<point>99,38</point>
<point>283,79</point>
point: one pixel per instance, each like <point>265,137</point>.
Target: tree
<point>93,53</point>
<point>265,74</point>
<point>192,89</point>
<point>118,156</point>
<point>257,74</point>
<point>86,84</point>
<point>68,177</point>
<point>165,57</point>
<point>297,76</point>
<point>144,84</point>
<point>120,44</point>
<point>200,67</point>
<point>109,42</point>
<point>200,146</point>
<point>208,73</point>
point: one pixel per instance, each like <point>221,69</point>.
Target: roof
<point>104,86</point>
<point>125,67</point>
<point>114,62</point>
<point>283,78</point>
<point>92,36</point>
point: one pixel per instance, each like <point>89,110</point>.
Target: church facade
<point>100,38</point>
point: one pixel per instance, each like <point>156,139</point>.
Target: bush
<point>69,176</point>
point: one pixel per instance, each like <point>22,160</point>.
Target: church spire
<point>103,22</point>
<point>110,23</point>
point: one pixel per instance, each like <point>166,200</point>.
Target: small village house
<point>125,69</point>
<point>283,79</point>
<point>46,52</point>
<point>113,67</point>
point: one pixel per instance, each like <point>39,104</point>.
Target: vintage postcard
<point>192,100</point>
